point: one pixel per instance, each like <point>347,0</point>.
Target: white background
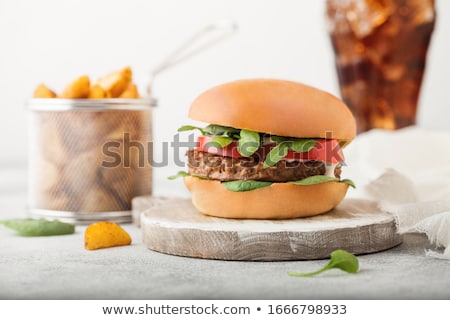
<point>55,41</point>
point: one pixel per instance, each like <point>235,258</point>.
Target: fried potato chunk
<point>131,92</point>
<point>77,89</point>
<point>105,234</point>
<point>117,82</point>
<point>42,91</point>
<point>97,92</point>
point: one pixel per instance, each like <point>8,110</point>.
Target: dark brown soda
<point>381,62</point>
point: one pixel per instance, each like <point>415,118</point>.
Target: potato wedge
<point>117,82</point>
<point>131,92</point>
<point>105,234</point>
<point>42,91</point>
<point>77,89</point>
<point>97,92</point>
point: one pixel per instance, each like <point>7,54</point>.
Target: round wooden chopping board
<point>174,226</point>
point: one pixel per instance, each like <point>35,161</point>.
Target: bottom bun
<point>277,201</point>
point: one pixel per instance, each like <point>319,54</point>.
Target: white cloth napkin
<point>407,172</point>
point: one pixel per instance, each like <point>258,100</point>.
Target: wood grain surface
<point>174,226</point>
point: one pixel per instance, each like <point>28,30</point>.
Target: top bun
<point>276,107</point>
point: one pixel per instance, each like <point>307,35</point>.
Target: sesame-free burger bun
<point>277,201</point>
<point>277,107</point>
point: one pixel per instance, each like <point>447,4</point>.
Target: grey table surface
<point>60,268</point>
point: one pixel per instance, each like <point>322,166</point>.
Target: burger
<point>269,149</point>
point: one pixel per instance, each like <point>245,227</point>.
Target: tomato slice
<point>326,150</point>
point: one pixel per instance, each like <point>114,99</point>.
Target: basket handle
<point>201,40</point>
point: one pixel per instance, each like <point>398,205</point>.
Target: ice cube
<point>419,11</point>
<point>366,15</point>
<point>363,16</point>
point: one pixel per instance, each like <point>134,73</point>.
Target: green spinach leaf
<point>190,128</point>
<point>302,145</point>
<point>179,174</point>
<point>248,143</point>
<point>276,154</point>
<point>349,182</point>
<point>221,141</point>
<point>340,259</point>
<point>245,185</point>
<point>322,179</point>
<point>284,144</point>
<point>214,129</point>
<point>315,180</point>
<point>39,227</point>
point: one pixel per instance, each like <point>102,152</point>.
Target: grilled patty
<point>227,169</point>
